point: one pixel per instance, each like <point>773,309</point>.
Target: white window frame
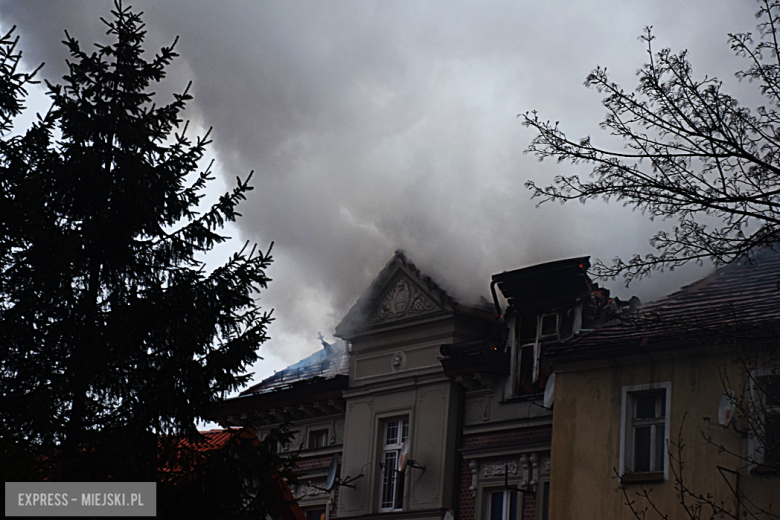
<point>317,430</point>
<point>556,334</point>
<point>487,494</point>
<point>758,406</point>
<point>516,350</point>
<point>389,476</point>
<point>627,428</point>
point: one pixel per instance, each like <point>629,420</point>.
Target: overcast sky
<point>381,125</point>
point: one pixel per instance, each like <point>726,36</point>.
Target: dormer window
<point>528,374</point>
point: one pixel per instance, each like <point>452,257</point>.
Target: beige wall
<point>586,438</point>
<point>432,412</point>
<point>395,372</point>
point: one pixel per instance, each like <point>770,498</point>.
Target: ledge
<point>411,514</point>
<point>652,476</point>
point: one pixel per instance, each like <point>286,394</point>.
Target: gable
<point>399,292</point>
<point>402,299</point>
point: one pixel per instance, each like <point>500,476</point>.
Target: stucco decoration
<point>485,380</point>
<point>466,382</point>
<point>337,435</point>
<point>403,300</point>
<point>398,362</point>
<point>474,467</point>
<point>524,463</point>
<point>499,468</point>
<point>337,404</point>
<point>310,490</point>
<point>486,411</point>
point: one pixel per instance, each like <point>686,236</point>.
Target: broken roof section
<point>545,285</point>
<point>331,361</point>
<point>740,301</point>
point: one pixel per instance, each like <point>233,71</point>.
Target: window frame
<point>316,508</point>
<point>318,430</point>
<point>627,426</point>
<point>540,499</point>
<point>532,347</point>
<point>487,502</point>
<point>756,446</point>
<point>392,448</point>
<point>540,326</point>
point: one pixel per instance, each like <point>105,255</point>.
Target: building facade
<point>675,408</point>
<point>552,401</point>
<point>422,382</point>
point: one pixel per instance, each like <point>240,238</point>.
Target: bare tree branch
<point>691,151</point>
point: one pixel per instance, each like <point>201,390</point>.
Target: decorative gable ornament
<point>403,300</point>
<point>399,292</point>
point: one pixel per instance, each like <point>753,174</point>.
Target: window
<point>395,435</point>
<point>549,326</point>
<point>315,514</point>
<point>501,504</point>
<point>543,509</point>
<point>527,374</point>
<point>318,438</point>
<point>764,438</point>
<point>644,432</point>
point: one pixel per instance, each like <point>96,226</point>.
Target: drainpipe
<point>459,460</point>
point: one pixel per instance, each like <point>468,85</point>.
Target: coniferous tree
<point>112,333</point>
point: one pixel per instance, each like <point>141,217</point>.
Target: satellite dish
<point>726,408</point>
<point>549,392</point>
<point>334,464</point>
<point>404,457</point>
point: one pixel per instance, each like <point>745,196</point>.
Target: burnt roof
<point>740,301</point>
<point>301,392</point>
<point>545,285</point>
<point>330,361</point>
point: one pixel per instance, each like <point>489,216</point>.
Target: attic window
<point>549,325</point>
<point>318,438</point>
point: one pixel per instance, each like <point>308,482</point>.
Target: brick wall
<point>321,462</point>
<point>515,435</point>
<point>467,502</point>
<point>315,462</point>
<point>334,505</point>
<point>529,507</point>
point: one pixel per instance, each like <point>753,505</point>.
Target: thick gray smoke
<point>376,126</point>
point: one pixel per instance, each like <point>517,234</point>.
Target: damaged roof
<point>327,363</point>
<point>739,301</point>
<point>545,285</point>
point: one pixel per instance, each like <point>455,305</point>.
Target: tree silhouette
<point>113,334</point>
<point>691,150</point>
